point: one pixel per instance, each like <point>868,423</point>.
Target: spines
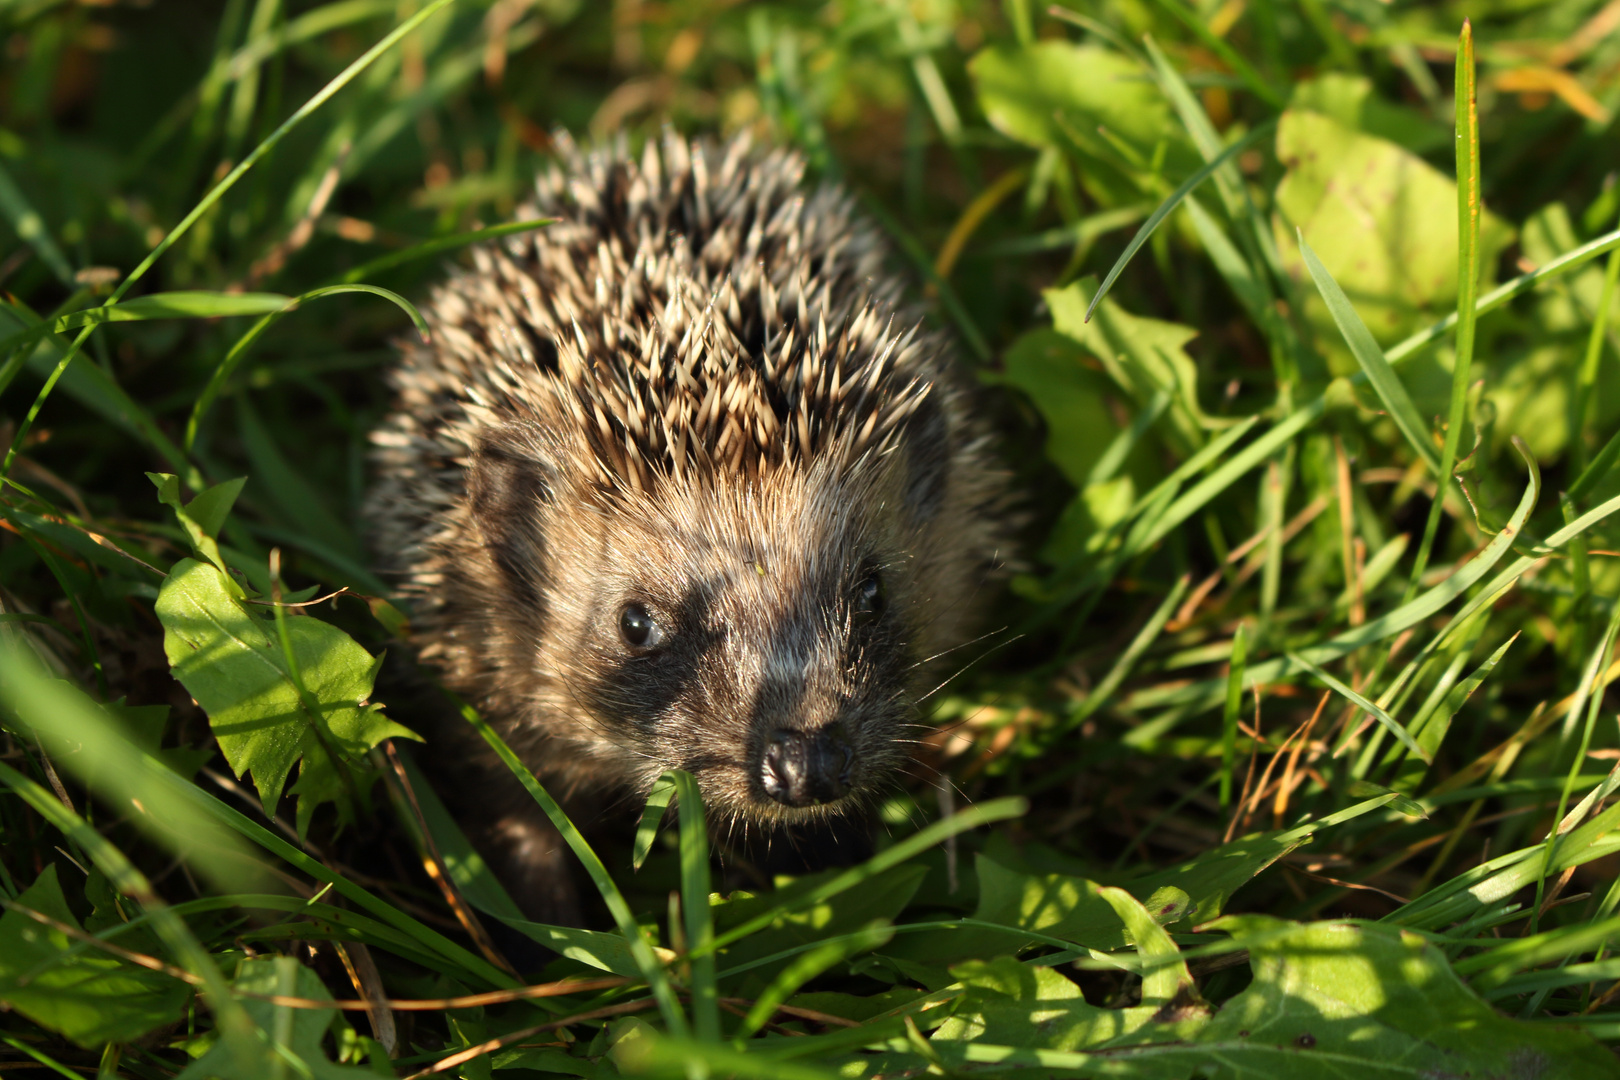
<point>693,308</point>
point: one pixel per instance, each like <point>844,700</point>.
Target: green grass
<point>1292,755</point>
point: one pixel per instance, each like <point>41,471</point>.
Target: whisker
<point>967,665</point>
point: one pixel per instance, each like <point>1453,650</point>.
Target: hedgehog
<point>681,481</point>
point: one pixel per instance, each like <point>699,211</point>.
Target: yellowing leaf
<point>1383,220</point>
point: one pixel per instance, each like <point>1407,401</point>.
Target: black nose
<point>803,768</point>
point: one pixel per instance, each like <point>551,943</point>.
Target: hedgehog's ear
<point>928,459</point>
<point>508,484</point>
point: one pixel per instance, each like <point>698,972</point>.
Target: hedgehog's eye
<point>869,595</point>
<point>638,628</point>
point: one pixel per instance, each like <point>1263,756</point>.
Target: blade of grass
<point>438,246</point>
<point>1434,718</point>
<point>1590,703</point>
<point>1586,383</point>
<point>1208,694</point>
<point>93,387</point>
<point>233,358</point>
<point>235,1027</point>
<point>173,305</point>
<point>1231,714</point>
<point>1395,727</point>
<point>1254,230</point>
<point>695,905</point>
<point>1469,208</point>
<point>814,960</point>
<point>970,818</point>
<point>1168,206</point>
<point>1078,233</point>
<point>919,257</point>
<point>1388,386</point>
<point>436,943</point>
<point>1119,449</point>
<point>652,815</point>
<point>1596,472</point>
<point>30,229</point>
<point>1553,268</point>
<point>346,76</point>
<point>1197,497</point>
<point>1229,56</point>
<point>636,938</point>
<point>1127,660</point>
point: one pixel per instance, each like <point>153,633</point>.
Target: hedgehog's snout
<point>807,768</point>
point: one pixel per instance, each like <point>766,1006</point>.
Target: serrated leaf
<point>231,661</point>
<point>90,997</point>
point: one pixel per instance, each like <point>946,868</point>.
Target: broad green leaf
<point>1327,1000</point>
<point>294,1034</point>
<point>91,997</point>
<point>1384,218</point>
<point>1212,878</point>
<point>1350,100</point>
<point>1530,380</point>
<point>1024,90</point>
<point>1050,367</point>
<point>1036,905</point>
<point>232,663</point>
<point>1372,1001</point>
<point>1142,355</point>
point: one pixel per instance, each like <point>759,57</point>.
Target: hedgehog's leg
<point>534,863</point>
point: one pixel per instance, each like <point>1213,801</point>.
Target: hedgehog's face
<point>761,638</point>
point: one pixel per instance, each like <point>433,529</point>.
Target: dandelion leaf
<point>232,662</point>
<point>88,996</point>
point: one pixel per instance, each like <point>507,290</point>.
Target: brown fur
<point>697,393</point>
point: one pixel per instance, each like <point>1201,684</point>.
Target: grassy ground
<point>1290,760</point>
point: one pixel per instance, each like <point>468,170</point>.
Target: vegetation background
<point>1291,758</point>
